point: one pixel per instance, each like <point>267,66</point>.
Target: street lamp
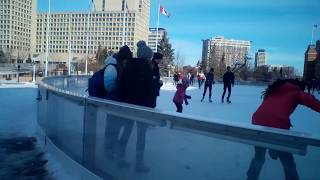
<point>169,66</point>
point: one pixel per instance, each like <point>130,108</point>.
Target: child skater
<point>180,94</point>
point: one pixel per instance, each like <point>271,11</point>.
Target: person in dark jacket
<point>228,80</point>
<point>116,140</point>
<point>208,84</point>
<point>157,58</point>
<point>176,78</point>
<point>279,101</point>
<point>138,88</point>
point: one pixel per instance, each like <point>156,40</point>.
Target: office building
<point>17,28</point>
<point>312,62</point>
<point>105,30</point>
<point>153,37</point>
<point>260,58</point>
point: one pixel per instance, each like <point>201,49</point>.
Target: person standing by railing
<point>280,100</point>
<point>116,143</point>
<point>138,88</point>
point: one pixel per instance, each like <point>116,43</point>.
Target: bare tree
<point>179,60</point>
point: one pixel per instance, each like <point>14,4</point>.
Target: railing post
<point>89,135</point>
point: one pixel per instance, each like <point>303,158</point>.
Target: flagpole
<point>124,18</point>
<point>88,30</point>
<point>47,47</point>
<point>158,27</point>
<point>69,47</point>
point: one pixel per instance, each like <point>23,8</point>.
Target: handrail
<point>292,141</point>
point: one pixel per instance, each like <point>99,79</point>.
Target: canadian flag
<point>164,12</point>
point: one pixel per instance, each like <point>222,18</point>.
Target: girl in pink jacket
<point>181,96</point>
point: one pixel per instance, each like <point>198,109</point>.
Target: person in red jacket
<point>181,96</point>
<point>279,101</point>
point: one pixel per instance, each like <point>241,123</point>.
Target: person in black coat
<point>138,87</point>
<point>208,84</point>
<point>228,80</point>
<point>157,58</point>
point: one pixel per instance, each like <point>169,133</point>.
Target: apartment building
<point>110,24</point>
<point>231,51</point>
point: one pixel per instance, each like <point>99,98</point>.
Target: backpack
<point>96,83</point>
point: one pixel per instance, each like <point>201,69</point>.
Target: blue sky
<point>282,27</point>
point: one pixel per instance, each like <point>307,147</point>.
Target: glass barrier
<point>121,141</point>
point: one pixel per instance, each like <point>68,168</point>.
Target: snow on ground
<point>245,100</point>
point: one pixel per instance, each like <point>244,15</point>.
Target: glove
<point>188,97</point>
<point>186,102</point>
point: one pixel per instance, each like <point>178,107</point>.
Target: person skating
<point>279,101</point>
<point>208,84</point>
<point>228,80</point>
<point>180,95</point>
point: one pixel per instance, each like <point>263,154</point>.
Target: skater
<point>279,101</point>
<point>228,80</point>
<point>208,84</point>
<point>175,78</point>
<point>180,95</point>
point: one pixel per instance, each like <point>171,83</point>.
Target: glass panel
<point>96,135</point>
<point>64,124</point>
<point>176,154</point>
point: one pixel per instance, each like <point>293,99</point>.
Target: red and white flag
<point>164,12</point>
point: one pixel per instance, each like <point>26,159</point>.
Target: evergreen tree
<point>165,48</point>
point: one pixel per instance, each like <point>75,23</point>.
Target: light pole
<point>34,72</point>
<point>48,33</point>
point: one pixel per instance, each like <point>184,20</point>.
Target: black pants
<point>141,142</point>
<point>225,87</point>
<point>179,107</point>
<point>205,89</point>
<point>258,160</point>
<point>115,143</point>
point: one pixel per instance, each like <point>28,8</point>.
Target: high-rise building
<point>17,28</point>
<point>260,58</point>
<point>230,51</point>
<point>105,29</point>
<point>310,62</point>
<point>153,37</point>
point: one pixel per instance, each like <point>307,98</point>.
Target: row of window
<point>85,15</point>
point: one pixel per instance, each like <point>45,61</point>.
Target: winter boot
<point>210,100</point>
<point>222,101</point>
<point>228,101</point>
<point>202,98</point>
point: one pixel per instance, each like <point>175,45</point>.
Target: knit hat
<point>144,52</point>
<point>124,53</point>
